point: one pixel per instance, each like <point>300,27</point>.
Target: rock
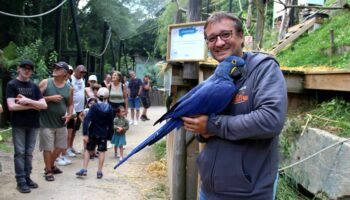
<point>327,172</point>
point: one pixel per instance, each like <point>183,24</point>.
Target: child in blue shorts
<point>121,125</point>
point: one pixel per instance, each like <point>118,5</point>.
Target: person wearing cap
<point>78,84</point>
<point>97,129</point>
<point>53,131</point>
<point>24,101</point>
<point>63,160</point>
<point>89,92</point>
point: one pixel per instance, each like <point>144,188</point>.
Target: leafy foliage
<point>13,55</point>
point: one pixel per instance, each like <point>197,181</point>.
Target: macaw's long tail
<point>159,134</point>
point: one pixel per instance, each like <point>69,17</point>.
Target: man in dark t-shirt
<point>146,101</point>
<point>24,101</point>
<point>134,91</point>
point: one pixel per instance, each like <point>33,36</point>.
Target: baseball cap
<point>103,92</point>
<point>27,62</point>
<point>92,78</point>
<point>63,65</point>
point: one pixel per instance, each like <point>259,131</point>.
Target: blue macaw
<point>211,96</point>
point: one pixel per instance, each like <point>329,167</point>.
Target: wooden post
<point>103,43</point>
<point>76,31</point>
<point>182,186</point>
<point>332,50</point>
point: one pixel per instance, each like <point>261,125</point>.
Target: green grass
<point>332,116</point>
<point>5,135</point>
<point>160,149</point>
<point>287,189</point>
<point>309,49</point>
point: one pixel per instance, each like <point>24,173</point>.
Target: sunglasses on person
<point>224,36</point>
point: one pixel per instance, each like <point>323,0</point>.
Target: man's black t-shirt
<point>24,118</point>
<point>134,85</point>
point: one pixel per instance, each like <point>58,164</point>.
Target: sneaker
<point>68,162</point>
<point>147,118</point>
<point>143,118</point>
<point>75,151</point>
<point>23,187</point>
<point>135,123</point>
<point>121,158</point>
<point>131,122</point>
<point>61,161</point>
<point>81,172</point>
<point>31,183</point>
<point>99,175</point>
<point>116,155</point>
<point>70,153</point>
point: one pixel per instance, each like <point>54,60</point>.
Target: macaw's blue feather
<point>211,96</point>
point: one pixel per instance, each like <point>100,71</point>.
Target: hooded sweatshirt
<point>99,121</point>
<point>240,161</point>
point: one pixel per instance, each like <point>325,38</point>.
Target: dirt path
<point>130,181</point>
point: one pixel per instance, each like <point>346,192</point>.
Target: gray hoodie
<point>240,162</point>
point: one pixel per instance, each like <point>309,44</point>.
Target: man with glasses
<point>240,158</point>
<point>24,101</point>
<point>78,85</point>
<point>53,130</point>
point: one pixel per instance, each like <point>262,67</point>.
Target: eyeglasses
<point>224,35</point>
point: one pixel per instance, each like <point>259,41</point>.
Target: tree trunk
<point>249,14</point>
<point>259,33</point>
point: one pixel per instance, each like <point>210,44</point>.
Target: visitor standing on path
<point>97,129</point>
<point>79,102</point>
<point>240,158</point>
<point>24,101</point>
<point>121,125</point>
<point>118,92</point>
<point>53,121</point>
<point>146,101</point>
<point>135,89</point>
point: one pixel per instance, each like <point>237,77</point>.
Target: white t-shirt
<point>78,93</point>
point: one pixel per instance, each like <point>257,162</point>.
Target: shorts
<point>146,101</point>
<point>51,138</point>
<point>101,144</point>
<point>71,123</point>
<point>77,123</point>
<point>134,103</point>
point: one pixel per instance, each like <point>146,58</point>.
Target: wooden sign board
<point>186,42</point>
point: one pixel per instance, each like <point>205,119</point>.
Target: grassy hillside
<point>309,50</point>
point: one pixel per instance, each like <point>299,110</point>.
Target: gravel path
<point>131,181</point>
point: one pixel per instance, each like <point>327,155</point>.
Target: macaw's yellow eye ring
<point>234,62</point>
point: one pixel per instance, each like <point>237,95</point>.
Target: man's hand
<point>67,118</point>
<point>22,100</point>
<point>197,124</point>
<point>86,138</point>
<point>56,98</point>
